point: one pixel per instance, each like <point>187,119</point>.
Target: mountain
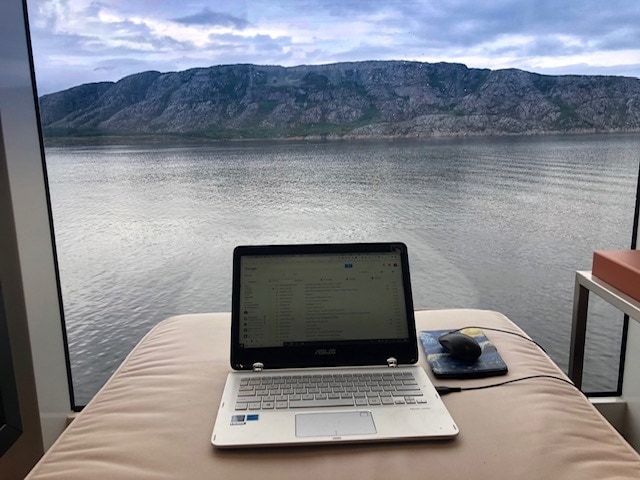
<point>360,99</point>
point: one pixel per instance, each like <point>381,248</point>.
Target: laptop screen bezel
<point>343,353</point>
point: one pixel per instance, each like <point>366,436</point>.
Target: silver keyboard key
<point>342,402</point>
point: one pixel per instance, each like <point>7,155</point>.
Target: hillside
<point>362,99</point>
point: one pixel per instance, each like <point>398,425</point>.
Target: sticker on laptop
<point>243,419</point>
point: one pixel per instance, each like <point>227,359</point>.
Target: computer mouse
<point>461,346</point>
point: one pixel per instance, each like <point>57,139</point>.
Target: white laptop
<point>323,344</point>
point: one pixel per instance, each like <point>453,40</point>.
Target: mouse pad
<point>442,365</point>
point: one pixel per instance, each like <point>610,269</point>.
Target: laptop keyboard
<point>271,392</point>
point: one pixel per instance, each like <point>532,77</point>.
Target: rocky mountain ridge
<point>349,100</point>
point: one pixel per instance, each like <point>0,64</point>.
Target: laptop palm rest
<point>334,424</point>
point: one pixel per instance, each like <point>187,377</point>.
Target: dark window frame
<point>10,418</point>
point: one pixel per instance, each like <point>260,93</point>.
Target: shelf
<point>586,282</point>
<point>611,295</point>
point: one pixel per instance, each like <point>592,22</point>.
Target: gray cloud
<point>462,23</point>
<point>523,34</point>
<point>210,18</point>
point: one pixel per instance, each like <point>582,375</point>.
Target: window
<point>149,195</point>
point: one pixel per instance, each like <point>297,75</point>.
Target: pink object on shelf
<point>620,269</point>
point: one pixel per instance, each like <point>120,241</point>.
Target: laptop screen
<point>300,305</point>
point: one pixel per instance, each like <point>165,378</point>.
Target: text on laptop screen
<point>298,299</point>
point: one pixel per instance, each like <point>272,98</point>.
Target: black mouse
<point>461,346</point>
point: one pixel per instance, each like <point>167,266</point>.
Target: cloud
<point>584,69</point>
<point>210,18</point>
<point>71,37</point>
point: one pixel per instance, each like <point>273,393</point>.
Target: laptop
<point>324,350</point>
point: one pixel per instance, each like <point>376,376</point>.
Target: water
<point>146,232</point>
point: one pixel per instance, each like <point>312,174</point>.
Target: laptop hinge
<point>392,362</point>
<point>257,367</point>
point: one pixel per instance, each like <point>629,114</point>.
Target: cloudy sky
<point>81,41</point>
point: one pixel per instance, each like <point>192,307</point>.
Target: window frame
<point>27,162</point>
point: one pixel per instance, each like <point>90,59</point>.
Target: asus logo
<point>325,351</point>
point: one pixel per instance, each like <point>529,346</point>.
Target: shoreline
<point>156,139</point>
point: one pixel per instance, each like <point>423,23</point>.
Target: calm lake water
<point>146,232</point>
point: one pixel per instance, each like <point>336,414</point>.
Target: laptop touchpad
<point>334,424</point>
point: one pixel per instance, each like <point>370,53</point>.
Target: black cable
<point>503,331</point>
<point>444,390</point>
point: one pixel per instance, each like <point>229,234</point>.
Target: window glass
<point>175,131</point>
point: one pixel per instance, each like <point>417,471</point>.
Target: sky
<point>83,41</point>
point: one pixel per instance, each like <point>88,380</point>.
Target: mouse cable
<point>444,390</point>
<point>503,331</point>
